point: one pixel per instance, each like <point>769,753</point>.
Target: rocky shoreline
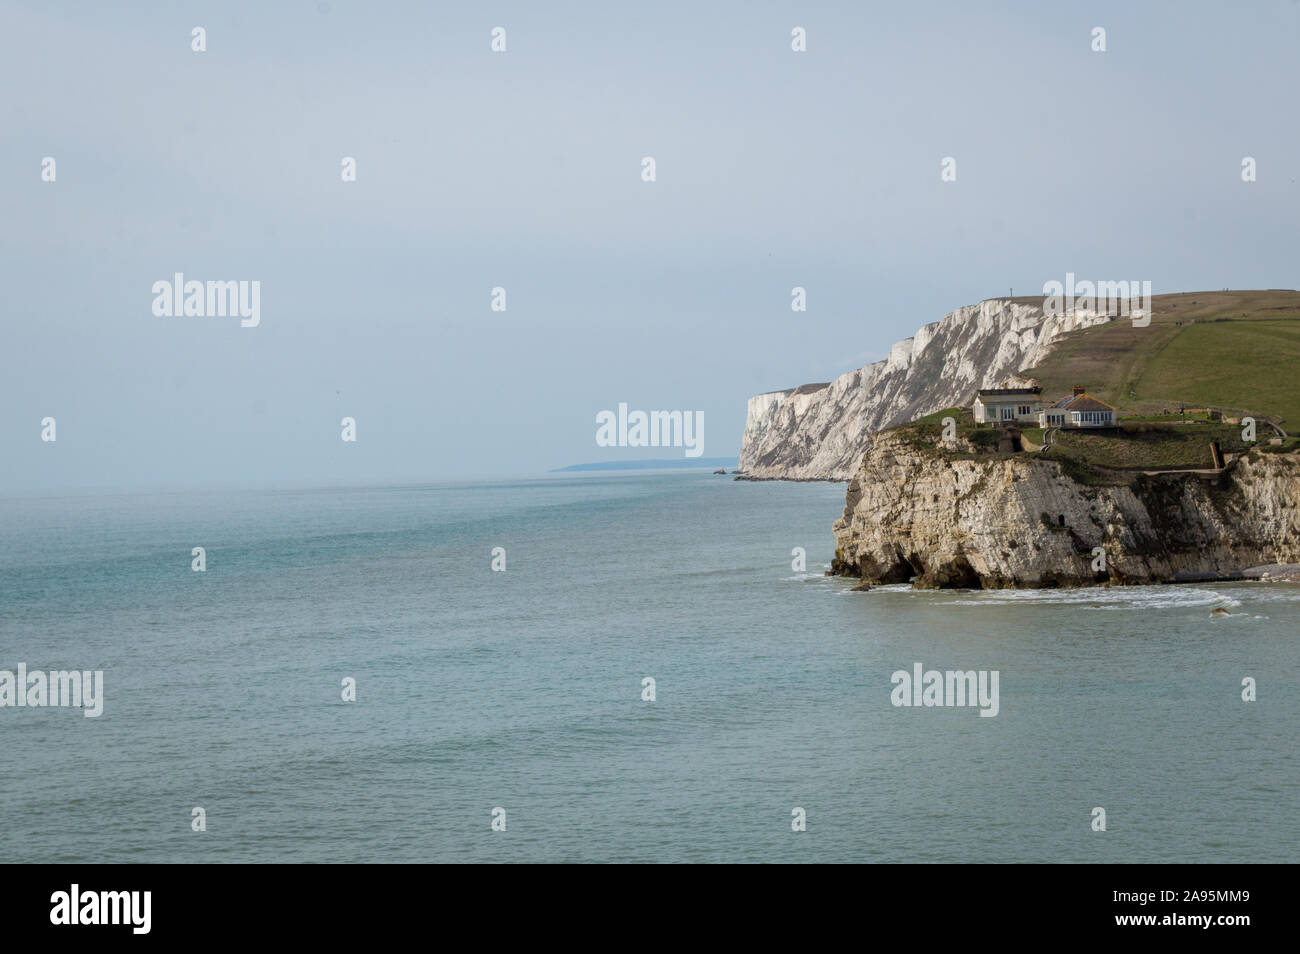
<point>795,480</point>
<point>949,518</point>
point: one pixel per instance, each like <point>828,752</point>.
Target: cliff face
<point>817,432</point>
<point>997,522</point>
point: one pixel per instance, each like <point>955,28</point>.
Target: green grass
<point>925,433</point>
<point>1244,365</point>
<point>1106,457</point>
<point>1172,447</point>
<point>1232,350</point>
<point>1172,418</point>
<point>929,429</point>
<point>932,424</point>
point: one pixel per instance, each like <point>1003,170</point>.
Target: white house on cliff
<point>1080,409</point>
<point>1006,405</point>
<point>1025,406</point>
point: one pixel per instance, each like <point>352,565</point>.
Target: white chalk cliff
<point>818,431</point>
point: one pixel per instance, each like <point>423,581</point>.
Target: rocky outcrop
<point>817,432</point>
<point>945,519</point>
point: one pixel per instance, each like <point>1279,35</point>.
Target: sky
<point>522,169</point>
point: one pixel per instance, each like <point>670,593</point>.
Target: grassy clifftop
<point>1235,351</point>
<point>1231,349</point>
<point>1109,457</point>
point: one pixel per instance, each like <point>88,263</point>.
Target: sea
<point>349,679</point>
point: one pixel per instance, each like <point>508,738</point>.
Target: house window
<point>1024,409</point>
<point>1008,413</point>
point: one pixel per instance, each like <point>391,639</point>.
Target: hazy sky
<point>522,169</point>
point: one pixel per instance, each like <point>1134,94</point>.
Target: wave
<point>1100,598</point>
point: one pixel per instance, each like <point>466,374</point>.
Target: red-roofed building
<point>1080,409</point>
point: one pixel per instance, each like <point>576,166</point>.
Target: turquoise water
<point>478,689</point>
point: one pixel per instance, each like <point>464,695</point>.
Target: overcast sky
<point>522,169</point>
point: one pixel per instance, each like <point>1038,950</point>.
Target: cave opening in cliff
<point>896,568</point>
<point>960,574</point>
<point>954,573</point>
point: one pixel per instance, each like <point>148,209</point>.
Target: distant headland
<point>654,463</point>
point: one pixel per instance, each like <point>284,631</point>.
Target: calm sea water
<point>522,690</point>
